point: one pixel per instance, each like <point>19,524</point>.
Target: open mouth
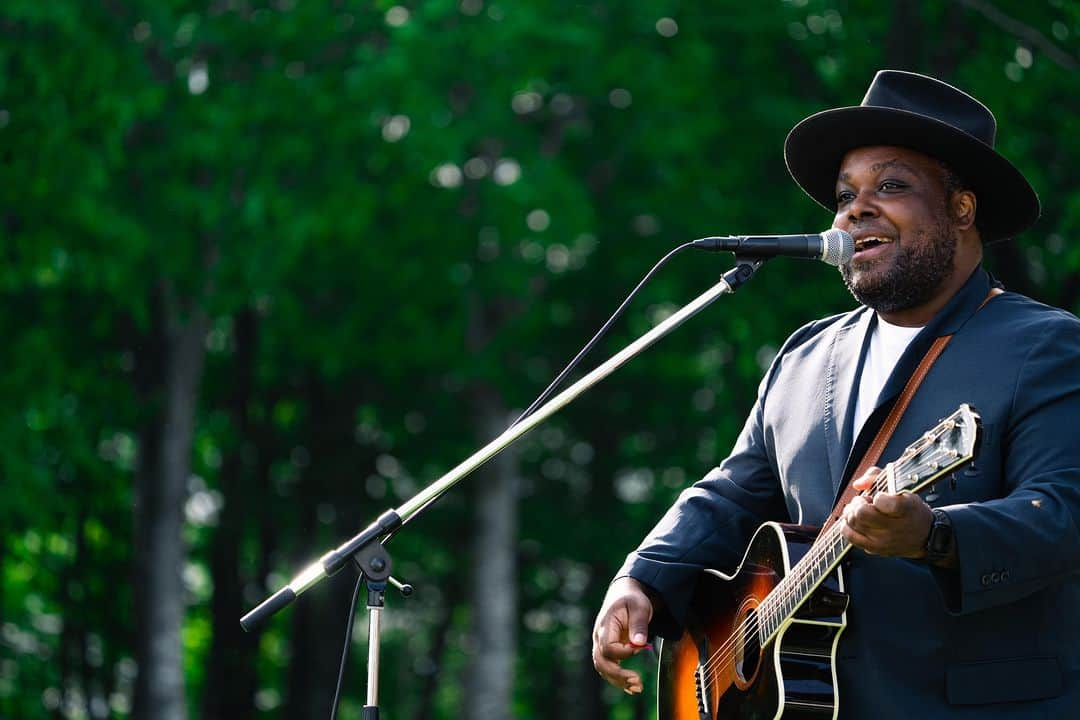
<point>870,242</point>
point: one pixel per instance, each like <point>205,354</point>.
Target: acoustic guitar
<point>761,643</point>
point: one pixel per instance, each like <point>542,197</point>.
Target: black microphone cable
<point>345,646</point>
<point>599,334</point>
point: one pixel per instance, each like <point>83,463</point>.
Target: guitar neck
<point>780,605</point>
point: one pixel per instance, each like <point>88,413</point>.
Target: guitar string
<point>818,551</point>
<point>747,630</point>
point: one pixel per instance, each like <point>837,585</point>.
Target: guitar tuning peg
<point>931,495</point>
<point>952,481</point>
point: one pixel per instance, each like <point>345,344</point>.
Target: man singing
<point>966,606</point>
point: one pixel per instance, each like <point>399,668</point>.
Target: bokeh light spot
<point>471,8</point>
<point>447,175</point>
<point>620,98</point>
<point>198,78</point>
<point>558,258</point>
<point>538,220</point>
<point>562,104</point>
<point>507,172</point>
<point>397,16</point>
<point>667,27</point>
<point>141,31</point>
<point>477,167</point>
<point>524,103</point>
<point>395,127</point>
<point>645,225</point>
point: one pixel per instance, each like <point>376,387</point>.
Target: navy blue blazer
<point>998,637</point>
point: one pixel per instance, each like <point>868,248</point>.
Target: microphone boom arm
<point>391,520</point>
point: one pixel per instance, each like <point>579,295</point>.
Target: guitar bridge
<point>700,691</point>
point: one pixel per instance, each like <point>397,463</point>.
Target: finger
<point>866,480</point>
<point>901,505</point>
<point>859,540</point>
<point>866,520</point>
<point>612,672</point>
<point>611,642</point>
<point>639,627</point>
<point>619,651</point>
<point>857,505</point>
<point>892,505</point>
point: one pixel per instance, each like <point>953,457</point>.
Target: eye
<point>844,196</point>
<point>892,185</point>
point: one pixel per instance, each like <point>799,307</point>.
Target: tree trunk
<point>229,692</point>
<point>160,490</point>
<point>319,618</point>
<point>493,590</point>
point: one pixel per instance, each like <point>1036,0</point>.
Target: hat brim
<point>1006,204</point>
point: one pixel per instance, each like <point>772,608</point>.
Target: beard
<point>910,277</point>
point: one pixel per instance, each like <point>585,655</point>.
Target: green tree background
<point>269,268</point>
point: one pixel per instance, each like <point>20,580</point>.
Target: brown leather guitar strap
<point>873,453</point>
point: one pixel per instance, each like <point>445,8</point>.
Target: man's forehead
<point>875,158</point>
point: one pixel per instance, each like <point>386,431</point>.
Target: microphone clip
<point>744,269</point>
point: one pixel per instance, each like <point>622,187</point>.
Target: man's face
<point>893,202</point>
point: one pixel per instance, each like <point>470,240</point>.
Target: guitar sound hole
<point>747,652</point>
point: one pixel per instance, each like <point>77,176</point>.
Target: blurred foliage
<point>344,183</point>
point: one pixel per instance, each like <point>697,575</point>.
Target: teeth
<point>862,242</point>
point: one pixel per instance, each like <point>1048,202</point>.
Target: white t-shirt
<point>887,343</point>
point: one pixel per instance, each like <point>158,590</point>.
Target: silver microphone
<point>833,246</point>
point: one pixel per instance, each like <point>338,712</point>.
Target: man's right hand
<point>621,631</point>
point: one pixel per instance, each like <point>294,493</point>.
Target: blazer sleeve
<point>1030,538</point>
<point>711,521</point>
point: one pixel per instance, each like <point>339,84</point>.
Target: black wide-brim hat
<point>921,113</point>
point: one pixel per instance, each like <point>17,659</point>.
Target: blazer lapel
<point>845,358</point>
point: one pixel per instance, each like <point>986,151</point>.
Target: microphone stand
<point>366,548</point>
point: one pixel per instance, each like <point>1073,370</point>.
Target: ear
<point>962,207</point>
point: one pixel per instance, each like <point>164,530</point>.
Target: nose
<point>860,207</point>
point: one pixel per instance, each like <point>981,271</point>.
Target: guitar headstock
<point>947,446</point>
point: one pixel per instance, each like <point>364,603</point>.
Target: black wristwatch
<point>940,540</point>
